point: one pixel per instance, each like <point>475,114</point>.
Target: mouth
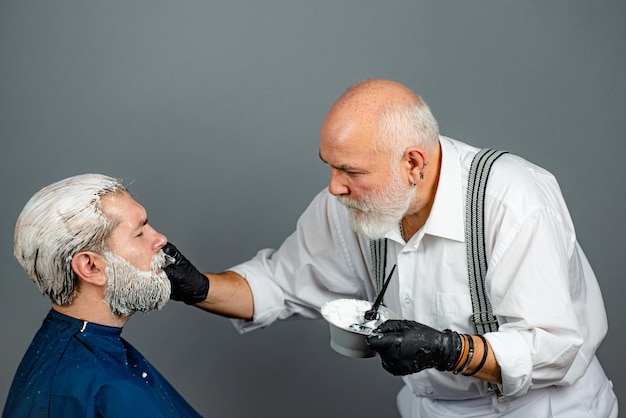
<point>169,260</point>
<point>351,206</point>
<point>160,261</point>
<point>355,206</point>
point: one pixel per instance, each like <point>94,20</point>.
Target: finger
<point>170,249</point>
<point>383,342</point>
<point>391,325</point>
<point>393,366</point>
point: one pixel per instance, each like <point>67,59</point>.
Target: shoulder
<point>516,188</point>
<point>512,179</point>
<point>516,179</point>
<point>520,194</point>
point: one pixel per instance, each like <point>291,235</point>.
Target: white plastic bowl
<point>341,314</point>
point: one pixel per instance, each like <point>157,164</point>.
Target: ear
<point>416,158</point>
<point>90,267</point>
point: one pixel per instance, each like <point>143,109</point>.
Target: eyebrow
<point>342,167</point>
<point>142,223</point>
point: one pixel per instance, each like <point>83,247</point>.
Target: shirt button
<point>407,300</point>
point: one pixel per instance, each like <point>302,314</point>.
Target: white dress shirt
<point>542,288</point>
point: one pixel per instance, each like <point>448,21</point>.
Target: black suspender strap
<point>482,316</point>
<point>378,253</point>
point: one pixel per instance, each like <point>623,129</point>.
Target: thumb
<point>171,250</point>
<point>383,342</point>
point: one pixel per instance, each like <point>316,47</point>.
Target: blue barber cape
<point>75,368</point>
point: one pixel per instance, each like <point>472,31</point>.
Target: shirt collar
<point>447,219</point>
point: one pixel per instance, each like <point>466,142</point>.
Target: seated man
<point>87,245</point>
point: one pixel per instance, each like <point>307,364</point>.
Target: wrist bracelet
<point>470,354</point>
<point>463,355</point>
<point>484,359</point>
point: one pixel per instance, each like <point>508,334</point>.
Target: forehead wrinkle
<point>340,167</point>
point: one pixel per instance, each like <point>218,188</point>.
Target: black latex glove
<point>407,347</point>
<point>188,284</point>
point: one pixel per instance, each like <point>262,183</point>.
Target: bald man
<point>396,180</point>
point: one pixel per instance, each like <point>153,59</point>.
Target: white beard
<point>381,210</point>
<point>129,289</point>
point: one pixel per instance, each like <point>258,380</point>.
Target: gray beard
<point>380,211</point>
<point>130,290</point>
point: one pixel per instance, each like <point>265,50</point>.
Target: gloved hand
<point>407,347</point>
<point>188,284</point>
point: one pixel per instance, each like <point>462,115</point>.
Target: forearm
<point>488,370</point>
<point>229,295</point>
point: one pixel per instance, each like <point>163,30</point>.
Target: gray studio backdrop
<point>212,110</point>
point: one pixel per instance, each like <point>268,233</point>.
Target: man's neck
<point>98,313</point>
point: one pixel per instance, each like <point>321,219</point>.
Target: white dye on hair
<point>131,290</point>
<point>63,219</point>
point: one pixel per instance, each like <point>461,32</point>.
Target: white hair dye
<point>131,290</point>
<point>59,221</point>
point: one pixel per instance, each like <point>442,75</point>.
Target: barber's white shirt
<point>542,288</point>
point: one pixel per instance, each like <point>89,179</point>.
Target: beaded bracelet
<point>484,359</point>
<point>470,354</point>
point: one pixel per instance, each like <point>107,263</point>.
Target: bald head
<point>385,114</point>
<point>376,94</point>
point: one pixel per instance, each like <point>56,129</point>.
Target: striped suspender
<point>482,316</point>
<point>378,253</point>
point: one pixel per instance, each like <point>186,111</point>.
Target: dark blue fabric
<point>78,369</point>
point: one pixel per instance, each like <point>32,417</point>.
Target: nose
<point>159,240</point>
<point>162,241</point>
<point>336,186</point>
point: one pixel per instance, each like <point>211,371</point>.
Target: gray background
<point>212,110</point>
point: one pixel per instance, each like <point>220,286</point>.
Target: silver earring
<point>421,172</point>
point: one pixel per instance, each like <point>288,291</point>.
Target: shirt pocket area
<point>453,311</point>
